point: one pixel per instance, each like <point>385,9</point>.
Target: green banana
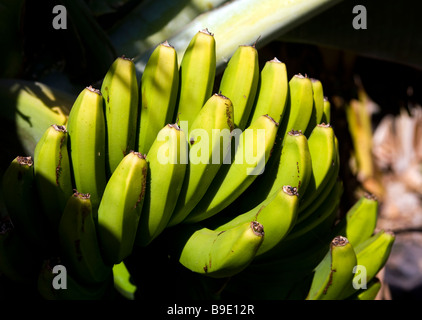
<point>318,105</point>
<point>20,198</point>
<point>251,156</point>
<point>323,149</point>
<point>78,241</point>
<point>52,173</point>
<point>159,86</point>
<point>209,136</point>
<point>121,95</point>
<point>300,104</point>
<point>360,220</point>
<point>167,161</point>
<point>326,116</point>
<point>19,262</point>
<point>272,91</point>
<point>240,83</point>
<point>55,283</point>
<point>372,254</point>
<point>370,293</point>
<point>122,281</point>
<point>87,140</point>
<point>289,164</point>
<point>197,72</point>
<point>278,215</point>
<point>121,206</point>
<point>222,253</point>
<point>334,272</point>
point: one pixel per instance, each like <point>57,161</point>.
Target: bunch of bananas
<point>236,185</point>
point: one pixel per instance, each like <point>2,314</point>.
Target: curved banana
<point>122,281</point>
<point>300,104</point>
<point>52,173</point>
<point>318,108</point>
<point>325,163</point>
<point>20,198</point>
<point>250,158</point>
<point>272,91</point>
<point>222,253</point>
<point>334,272</point>
<point>326,116</point>
<point>167,161</point>
<point>87,139</point>
<point>121,206</point>
<point>69,287</point>
<point>209,137</point>
<point>19,261</point>
<point>278,215</point>
<point>197,72</point>
<point>159,86</point>
<point>240,83</point>
<point>372,254</point>
<point>121,97</point>
<point>79,246</point>
<point>370,293</point>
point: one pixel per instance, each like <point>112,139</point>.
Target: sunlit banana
<point>334,272</point>
<point>123,282</point>
<point>167,161</point>
<point>323,150</point>
<point>222,253</point>
<point>159,87</point>
<point>360,220</point>
<point>240,82</point>
<point>272,91</point>
<point>370,293</point>
<point>197,72</point>
<point>290,164</point>
<point>209,140</point>
<point>78,241</point>
<point>318,107</point>
<point>121,206</point>
<point>326,116</point>
<point>52,173</point>
<point>277,214</point>
<point>300,103</point>
<point>120,93</point>
<point>19,262</point>
<point>255,144</point>
<point>87,138</point>
<point>372,254</point>
<point>21,200</point>
<point>54,282</point>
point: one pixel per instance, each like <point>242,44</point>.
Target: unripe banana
<point>209,136</point>
<point>19,262</point>
<point>197,72</point>
<point>272,91</point>
<point>21,200</point>
<point>68,287</point>
<point>323,149</point>
<point>334,272</point>
<point>159,87</point>
<point>122,281</point>
<point>326,116</point>
<point>52,173</point>
<point>278,215</point>
<point>300,103</point>
<point>121,206</point>
<point>121,96</point>
<point>370,293</point>
<point>87,139</point>
<point>251,156</point>
<point>167,161</point>
<point>372,255</point>
<point>240,82</point>
<point>222,253</point>
<point>318,107</point>
<point>78,241</point>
